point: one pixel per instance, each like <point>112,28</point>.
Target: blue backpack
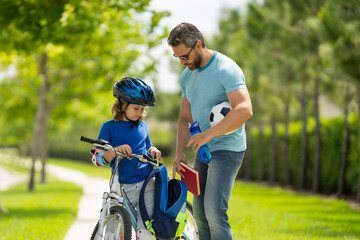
<point>169,217</point>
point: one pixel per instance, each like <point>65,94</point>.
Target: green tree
<point>72,45</point>
<point>342,27</point>
<point>280,46</point>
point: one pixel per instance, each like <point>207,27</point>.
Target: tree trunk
<point>40,126</point>
<point>43,136</point>
<point>43,148</point>
<point>358,104</point>
<point>286,159</point>
<point>317,158</point>
<point>34,148</point>
<point>304,136</point>
<point>273,150</point>
<point>261,155</point>
<point>346,144</point>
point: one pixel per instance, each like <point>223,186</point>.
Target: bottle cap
<point>194,127</point>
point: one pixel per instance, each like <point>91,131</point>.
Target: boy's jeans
<point>216,182</point>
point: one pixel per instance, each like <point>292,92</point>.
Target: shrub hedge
<point>332,131</point>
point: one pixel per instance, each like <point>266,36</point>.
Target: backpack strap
<point>144,213</point>
<point>163,200</point>
<point>182,220</point>
<point>161,192</point>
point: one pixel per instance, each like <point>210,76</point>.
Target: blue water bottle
<point>204,151</point>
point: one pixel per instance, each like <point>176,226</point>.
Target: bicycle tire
<point>191,231</point>
<point>121,217</point>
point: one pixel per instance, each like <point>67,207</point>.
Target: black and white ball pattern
<point>218,113</point>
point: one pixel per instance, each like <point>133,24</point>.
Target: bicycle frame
<point>117,196</point>
<point>116,203</point>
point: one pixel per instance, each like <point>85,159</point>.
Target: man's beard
<point>198,61</point>
<point>196,64</point>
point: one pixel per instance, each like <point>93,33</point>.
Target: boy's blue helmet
<point>135,91</point>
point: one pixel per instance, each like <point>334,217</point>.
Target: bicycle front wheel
<point>191,231</point>
<point>116,226</point>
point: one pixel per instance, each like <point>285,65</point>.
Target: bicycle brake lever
<point>147,158</point>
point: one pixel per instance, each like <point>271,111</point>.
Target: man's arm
<point>241,111</point>
<point>183,135</point>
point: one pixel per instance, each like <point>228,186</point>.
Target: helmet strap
<point>135,123</point>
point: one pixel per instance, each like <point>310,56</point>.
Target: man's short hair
<point>185,33</point>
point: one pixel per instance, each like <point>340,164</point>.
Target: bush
<point>331,150</point>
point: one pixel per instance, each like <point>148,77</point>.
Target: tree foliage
<point>293,52</point>
<point>70,51</point>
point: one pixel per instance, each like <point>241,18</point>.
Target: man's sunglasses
<point>185,57</point>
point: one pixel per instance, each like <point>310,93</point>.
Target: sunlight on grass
<point>263,212</point>
<point>255,211</point>
<point>86,167</point>
<point>46,213</point>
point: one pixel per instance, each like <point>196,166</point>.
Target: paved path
<point>9,178</point>
<point>90,203</point>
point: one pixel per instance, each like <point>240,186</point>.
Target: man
<point>209,79</point>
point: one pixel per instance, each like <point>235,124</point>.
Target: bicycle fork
<point>105,211</point>
<point>109,200</point>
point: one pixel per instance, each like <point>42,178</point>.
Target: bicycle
<point>118,217</point>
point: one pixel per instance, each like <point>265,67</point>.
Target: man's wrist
<point>210,133</point>
<point>179,154</point>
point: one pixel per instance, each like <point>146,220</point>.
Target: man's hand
<point>198,140</point>
<point>177,168</point>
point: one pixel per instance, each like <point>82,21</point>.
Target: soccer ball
<point>218,113</point>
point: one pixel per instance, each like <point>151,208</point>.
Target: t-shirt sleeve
<point>182,84</point>
<point>104,133</point>
<point>148,140</point>
<point>233,79</point>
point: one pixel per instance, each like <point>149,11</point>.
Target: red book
<point>191,179</point>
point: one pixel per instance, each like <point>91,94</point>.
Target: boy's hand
<point>124,149</point>
<point>155,153</point>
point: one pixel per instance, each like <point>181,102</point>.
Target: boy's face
<point>134,112</point>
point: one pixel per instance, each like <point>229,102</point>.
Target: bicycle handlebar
<point>106,145</point>
<point>92,141</point>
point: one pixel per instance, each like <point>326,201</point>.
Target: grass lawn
<point>263,212</point>
<point>255,211</point>
<point>44,214</point>
<point>86,167</point>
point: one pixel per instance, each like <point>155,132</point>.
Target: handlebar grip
<point>150,159</point>
<point>85,139</point>
<point>92,141</point>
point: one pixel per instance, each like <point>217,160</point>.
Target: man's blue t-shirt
<point>207,87</point>
<point>137,137</point>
